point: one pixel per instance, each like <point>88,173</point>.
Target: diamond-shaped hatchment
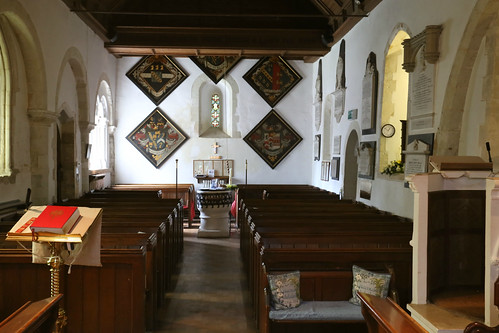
<point>272,78</point>
<point>157,76</point>
<point>156,137</point>
<point>272,139</point>
<point>215,67</point>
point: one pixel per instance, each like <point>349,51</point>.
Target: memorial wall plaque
<point>369,96</point>
<point>421,93</point>
<point>417,153</point>
<point>339,104</point>
<point>367,157</point>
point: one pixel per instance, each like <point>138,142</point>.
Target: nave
<point>210,292</point>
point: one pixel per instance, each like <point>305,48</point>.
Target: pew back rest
<point>326,286</point>
<point>333,285</point>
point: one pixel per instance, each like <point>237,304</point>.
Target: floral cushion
<point>285,290</point>
<point>368,282</point>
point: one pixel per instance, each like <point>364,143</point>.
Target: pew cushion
<point>368,282</point>
<point>285,290</point>
<point>320,310</point>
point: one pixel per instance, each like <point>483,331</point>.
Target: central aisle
<point>210,290</point>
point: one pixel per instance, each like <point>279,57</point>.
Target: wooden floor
<point>210,293</point>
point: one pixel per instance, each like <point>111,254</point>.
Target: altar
<point>214,206</point>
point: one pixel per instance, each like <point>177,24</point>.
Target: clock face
<point>388,130</point>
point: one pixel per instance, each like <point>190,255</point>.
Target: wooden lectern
<point>80,247</point>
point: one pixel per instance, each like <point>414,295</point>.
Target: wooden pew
<point>309,222</point>
<point>147,242</point>
<point>339,259</point>
<point>167,191</point>
<point>110,298</point>
<point>39,316</point>
<point>383,315</point>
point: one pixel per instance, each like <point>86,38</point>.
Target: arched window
<point>394,106</point>
<point>99,136</point>
<point>4,110</point>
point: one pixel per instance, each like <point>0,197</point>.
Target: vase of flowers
<point>396,166</point>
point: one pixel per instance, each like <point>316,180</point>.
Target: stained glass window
<point>215,111</point>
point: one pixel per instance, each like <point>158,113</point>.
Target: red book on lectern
<point>56,219</point>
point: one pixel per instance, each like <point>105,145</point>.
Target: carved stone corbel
<point>429,39</point>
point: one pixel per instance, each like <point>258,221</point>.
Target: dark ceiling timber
<point>294,29</point>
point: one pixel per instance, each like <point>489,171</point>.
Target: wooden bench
<point>110,298</point>
<point>167,191</point>
<point>39,316</point>
<point>383,315</point>
<point>340,259</point>
<point>324,305</point>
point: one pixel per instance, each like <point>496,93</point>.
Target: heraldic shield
<point>272,139</point>
<point>156,137</point>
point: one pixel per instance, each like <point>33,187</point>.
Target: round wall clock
<point>388,130</point>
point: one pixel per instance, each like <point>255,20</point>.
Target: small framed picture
<point>211,172</point>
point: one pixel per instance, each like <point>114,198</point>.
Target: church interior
<point>231,144</point>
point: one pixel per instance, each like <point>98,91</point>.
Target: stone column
<point>43,156</point>
<point>83,181</point>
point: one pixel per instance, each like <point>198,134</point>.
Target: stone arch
<point>74,60</point>
<point>26,35</point>
<point>229,90</point>
<point>24,38</point>
<point>449,131</point>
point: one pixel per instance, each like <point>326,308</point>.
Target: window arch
<point>98,137</point>
<point>5,80</point>
<point>394,106</point>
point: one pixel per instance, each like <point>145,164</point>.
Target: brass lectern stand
<point>53,243</point>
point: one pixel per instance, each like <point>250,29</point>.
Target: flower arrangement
<point>393,167</point>
<point>231,186</point>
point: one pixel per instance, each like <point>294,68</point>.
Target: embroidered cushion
<point>285,290</point>
<point>368,282</point>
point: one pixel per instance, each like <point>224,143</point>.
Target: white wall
<point>375,33</point>
<point>133,106</point>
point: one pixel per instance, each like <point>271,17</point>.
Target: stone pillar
<point>43,156</point>
<point>82,162</point>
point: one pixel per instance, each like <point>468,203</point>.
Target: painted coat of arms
<point>156,137</point>
<point>157,76</point>
<point>272,78</point>
<point>215,67</point>
<point>272,139</point>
